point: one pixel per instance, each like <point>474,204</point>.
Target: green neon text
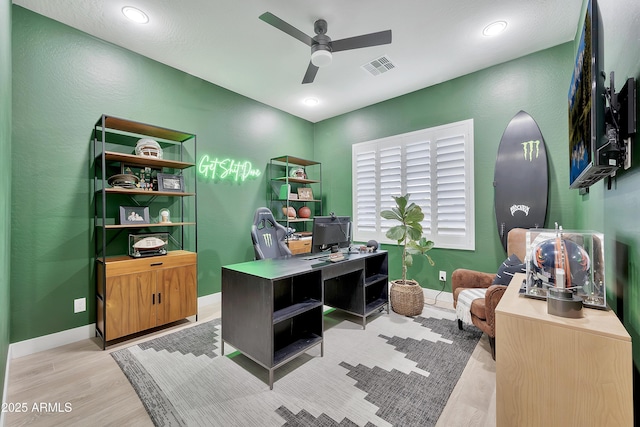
<point>226,169</point>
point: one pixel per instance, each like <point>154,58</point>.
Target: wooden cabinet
<point>301,246</point>
<point>557,371</point>
<point>144,293</point>
<point>295,183</point>
<point>137,293</point>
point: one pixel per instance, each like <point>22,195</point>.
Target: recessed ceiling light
<point>311,102</point>
<point>494,28</point>
<point>136,15</point>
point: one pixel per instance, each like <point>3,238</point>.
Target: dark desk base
<point>272,309</point>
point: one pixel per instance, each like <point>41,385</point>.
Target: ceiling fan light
<point>321,58</point>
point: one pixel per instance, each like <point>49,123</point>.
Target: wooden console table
<point>556,371</point>
<point>272,308</point>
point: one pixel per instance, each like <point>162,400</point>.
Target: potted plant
<point>406,295</point>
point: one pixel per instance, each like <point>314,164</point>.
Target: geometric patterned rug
<point>399,371</point>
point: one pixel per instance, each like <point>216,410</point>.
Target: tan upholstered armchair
<point>483,309</point>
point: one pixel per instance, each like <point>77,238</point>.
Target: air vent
<point>379,66</point>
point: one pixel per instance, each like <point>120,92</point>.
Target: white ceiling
<point>225,43</point>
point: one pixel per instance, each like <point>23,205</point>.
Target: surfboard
<point>521,177</point>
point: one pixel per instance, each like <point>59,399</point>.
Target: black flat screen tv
<point>330,233</point>
<point>588,143</point>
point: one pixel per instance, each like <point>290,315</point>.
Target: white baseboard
<point>47,342</point>
<point>441,296</point>
<point>6,384</point>
<point>210,299</point>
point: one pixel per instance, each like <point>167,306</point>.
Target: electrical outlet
<point>443,276</point>
<point>79,305</point>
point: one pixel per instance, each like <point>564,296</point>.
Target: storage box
<point>568,259</point>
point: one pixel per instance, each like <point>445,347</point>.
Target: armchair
<point>483,309</point>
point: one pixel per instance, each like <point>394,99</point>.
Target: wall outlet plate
<point>79,305</point>
<point>443,276</point>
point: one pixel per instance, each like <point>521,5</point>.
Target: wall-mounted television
<point>589,146</point>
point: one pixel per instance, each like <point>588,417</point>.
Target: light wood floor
<point>99,394</point>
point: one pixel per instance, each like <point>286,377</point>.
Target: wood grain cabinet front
<point>301,246</point>
<point>140,294</point>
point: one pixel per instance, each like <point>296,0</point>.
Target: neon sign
<point>228,169</point>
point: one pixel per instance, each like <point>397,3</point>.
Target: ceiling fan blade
<point>312,70</point>
<point>366,40</point>
<point>272,19</point>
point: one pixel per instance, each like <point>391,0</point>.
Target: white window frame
<point>378,181</point>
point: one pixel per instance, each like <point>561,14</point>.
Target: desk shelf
<point>376,278</point>
<point>294,310</point>
<point>375,305</point>
<point>297,347</point>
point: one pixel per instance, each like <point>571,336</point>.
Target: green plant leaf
<point>414,214</point>
<point>391,214</point>
<point>397,232</point>
<point>425,244</point>
<point>414,233</point>
<point>401,201</point>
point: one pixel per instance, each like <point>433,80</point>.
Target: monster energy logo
<point>528,147</point>
<point>267,240</point>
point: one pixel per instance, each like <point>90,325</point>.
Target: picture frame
<point>305,193</point>
<point>170,182</point>
<point>138,215</point>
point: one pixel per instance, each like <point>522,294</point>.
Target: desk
<point>272,309</point>
<point>556,371</point>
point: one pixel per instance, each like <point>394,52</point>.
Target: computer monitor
<point>330,232</point>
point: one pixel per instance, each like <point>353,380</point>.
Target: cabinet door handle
<point>153,264</point>
<point>153,299</point>
<point>159,298</point>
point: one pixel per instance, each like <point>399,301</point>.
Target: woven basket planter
<point>406,299</point>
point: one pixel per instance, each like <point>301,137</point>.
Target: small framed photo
<point>169,182</point>
<point>305,193</point>
<point>134,215</point>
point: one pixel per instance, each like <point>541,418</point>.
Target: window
<point>435,166</point>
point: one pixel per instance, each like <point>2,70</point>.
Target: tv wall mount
<point>620,121</point>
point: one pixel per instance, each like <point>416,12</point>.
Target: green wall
<point>615,212</point>
<point>537,84</point>
<point>63,80</point>
<point>5,182</point>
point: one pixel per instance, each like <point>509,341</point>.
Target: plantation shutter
<point>435,166</point>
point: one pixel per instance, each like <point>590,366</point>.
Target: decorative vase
<point>304,212</point>
<point>406,298</point>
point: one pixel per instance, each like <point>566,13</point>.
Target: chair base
<point>492,341</point>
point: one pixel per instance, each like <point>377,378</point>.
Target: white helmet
<point>148,147</point>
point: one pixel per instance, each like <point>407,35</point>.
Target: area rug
<point>399,371</point>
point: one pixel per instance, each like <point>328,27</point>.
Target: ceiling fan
<point>321,45</point>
